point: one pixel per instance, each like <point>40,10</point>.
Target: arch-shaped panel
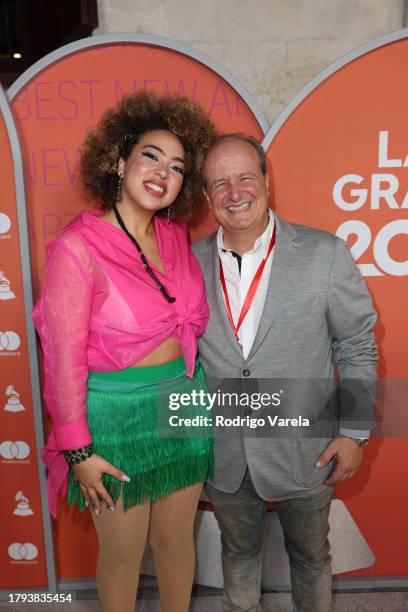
<point>54,103</point>
<point>22,473</point>
<point>339,161</point>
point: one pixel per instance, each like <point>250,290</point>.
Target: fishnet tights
<point>122,537</point>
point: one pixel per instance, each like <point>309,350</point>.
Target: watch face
<point>361,441</point>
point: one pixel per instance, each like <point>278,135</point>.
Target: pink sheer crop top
<point>101,311</point>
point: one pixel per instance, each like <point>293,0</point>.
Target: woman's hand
<point>89,475</point>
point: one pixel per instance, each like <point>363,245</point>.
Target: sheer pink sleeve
<point>62,320</point>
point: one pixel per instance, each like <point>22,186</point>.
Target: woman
<point>122,306</point>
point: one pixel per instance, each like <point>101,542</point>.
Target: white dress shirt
<point>238,284</point>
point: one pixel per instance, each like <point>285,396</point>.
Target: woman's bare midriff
<point>167,351</point>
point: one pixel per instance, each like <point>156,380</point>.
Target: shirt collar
<point>262,242</point>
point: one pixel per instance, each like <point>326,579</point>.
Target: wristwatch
<point>361,442</point>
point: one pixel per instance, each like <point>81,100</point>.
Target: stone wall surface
<point>273,47</point>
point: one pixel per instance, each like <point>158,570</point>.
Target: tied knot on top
<point>181,318</point>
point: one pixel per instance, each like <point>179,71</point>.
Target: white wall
<point>273,47</point>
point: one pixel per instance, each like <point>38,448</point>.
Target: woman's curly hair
<point>120,129</point>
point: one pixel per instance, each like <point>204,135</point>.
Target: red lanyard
<point>251,291</point>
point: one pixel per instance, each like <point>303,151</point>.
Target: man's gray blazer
<point>318,317</point>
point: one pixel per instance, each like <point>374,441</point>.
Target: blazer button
<point>246,372</point>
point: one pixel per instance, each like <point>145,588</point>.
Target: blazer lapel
<point>280,286</point>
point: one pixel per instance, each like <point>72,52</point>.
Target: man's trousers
<point>304,520</point>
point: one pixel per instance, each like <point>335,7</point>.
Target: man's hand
<point>348,456</point>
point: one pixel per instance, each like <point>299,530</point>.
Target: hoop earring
<point>119,188</point>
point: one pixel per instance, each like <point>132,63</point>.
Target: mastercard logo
<point>5,223</point>
<point>14,450</point>
<point>22,552</point>
<point>9,341</point>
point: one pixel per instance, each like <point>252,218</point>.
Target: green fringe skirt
<point>139,425</point>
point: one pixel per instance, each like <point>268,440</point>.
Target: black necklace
<point>143,258</point>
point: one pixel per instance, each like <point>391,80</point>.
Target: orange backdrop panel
<point>340,163</point>
<point>53,113</point>
<point>22,560</point>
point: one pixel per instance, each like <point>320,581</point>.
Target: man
<point>287,304</point>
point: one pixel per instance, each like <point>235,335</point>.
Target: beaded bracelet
<point>79,454</point>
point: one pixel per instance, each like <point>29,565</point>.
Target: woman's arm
<point>62,319</point>
<point>63,325</point>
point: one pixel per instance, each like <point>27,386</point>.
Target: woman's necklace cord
<point>143,258</point>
